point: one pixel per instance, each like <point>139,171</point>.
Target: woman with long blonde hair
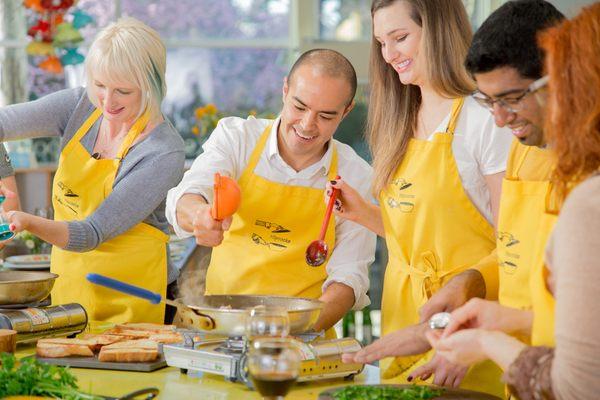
<point>438,160</point>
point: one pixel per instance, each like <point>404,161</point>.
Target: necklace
<point>107,147</point>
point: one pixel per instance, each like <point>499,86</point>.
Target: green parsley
<point>29,377</point>
<point>414,392</point>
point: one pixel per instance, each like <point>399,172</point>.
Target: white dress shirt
<point>227,152</point>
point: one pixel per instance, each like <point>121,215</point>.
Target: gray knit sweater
<point>150,168</point>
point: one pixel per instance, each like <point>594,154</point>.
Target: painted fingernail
<point>12,227</point>
<point>410,378</point>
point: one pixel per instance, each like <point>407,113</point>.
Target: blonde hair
<point>130,51</point>
<point>394,106</point>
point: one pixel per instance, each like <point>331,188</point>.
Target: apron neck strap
<point>138,127</point>
<point>456,108</point>
<point>83,129</point>
<point>262,142</point>
<point>519,164</point>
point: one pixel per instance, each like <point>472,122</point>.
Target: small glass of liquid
<point>274,366</point>
<point>5,232</point>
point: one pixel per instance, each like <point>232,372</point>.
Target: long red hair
<point>573,124</point>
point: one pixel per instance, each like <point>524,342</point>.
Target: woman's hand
<point>490,315</point>
<point>462,348</point>
<point>18,220</point>
<point>444,372</point>
<point>404,342</point>
<point>349,204</point>
<point>352,206</point>
<point>471,346</point>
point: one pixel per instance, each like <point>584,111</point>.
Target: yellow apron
<point>138,256</point>
<point>542,332</point>
<point>433,232</point>
<point>263,252</point>
<point>522,207</point>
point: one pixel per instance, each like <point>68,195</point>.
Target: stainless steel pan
<point>224,314</point>
<point>20,287</point>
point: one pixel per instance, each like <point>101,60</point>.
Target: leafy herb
<point>386,393</point>
<point>30,377</point>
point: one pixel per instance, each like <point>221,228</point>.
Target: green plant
<point>31,377</point>
<point>32,242</point>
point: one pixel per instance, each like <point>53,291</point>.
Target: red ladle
<point>316,252</point>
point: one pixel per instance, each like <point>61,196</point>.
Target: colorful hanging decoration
<point>71,57</point>
<point>52,64</point>
<point>81,19</point>
<point>55,34</point>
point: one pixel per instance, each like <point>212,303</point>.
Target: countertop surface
<point>176,385</point>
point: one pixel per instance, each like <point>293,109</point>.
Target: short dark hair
<point>330,62</point>
<point>508,38</point>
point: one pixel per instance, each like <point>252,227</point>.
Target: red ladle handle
<point>334,194</point>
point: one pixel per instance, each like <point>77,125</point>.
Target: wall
<point>570,7</point>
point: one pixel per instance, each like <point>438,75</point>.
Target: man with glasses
<point>507,65</point>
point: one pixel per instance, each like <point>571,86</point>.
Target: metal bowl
<point>20,287</point>
<point>226,314</point>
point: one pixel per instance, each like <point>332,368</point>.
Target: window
<point>350,20</point>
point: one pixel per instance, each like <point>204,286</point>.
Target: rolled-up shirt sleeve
<point>222,153</point>
<point>355,245</point>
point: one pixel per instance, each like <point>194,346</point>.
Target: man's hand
<point>404,342</point>
<point>456,292</point>
<point>207,230</point>
<point>444,372</point>
<point>489,315</point>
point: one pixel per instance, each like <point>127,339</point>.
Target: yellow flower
<point>195,130</point>
<point>211,109</point>
<point>200,111</point>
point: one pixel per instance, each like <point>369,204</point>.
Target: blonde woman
<point>119,157</point>
<point>438,164</point>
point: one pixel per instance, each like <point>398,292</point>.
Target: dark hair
<point>331,63</point>
<point>508,38</point>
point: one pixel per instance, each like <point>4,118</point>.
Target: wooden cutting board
<point>92,362</point>
<point>454,394</point>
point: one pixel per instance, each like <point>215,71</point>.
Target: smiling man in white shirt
<point>282,167</point>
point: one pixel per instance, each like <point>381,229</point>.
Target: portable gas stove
<point>227,357</point>
<point>36,321</point>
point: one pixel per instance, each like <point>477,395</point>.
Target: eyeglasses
<point>513,104</point>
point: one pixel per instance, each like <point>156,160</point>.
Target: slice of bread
<point>133,344</point>
<point>130,351</point>
<point>57,348</point>
<point>127,355</point>
<point>143,326</point>
<point>166,338</point>
<point>129,334</point>
<point>100,340</point>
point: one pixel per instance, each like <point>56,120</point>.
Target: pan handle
<point>123,287</point>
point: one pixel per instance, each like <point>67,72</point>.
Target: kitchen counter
<point>175,385</point>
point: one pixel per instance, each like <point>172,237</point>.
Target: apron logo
<point>68,199</point>
<point>508,241</point>
<point>258,240</point>
<point>66,191</point>
<point>273,227</point>
<point>404,206</point>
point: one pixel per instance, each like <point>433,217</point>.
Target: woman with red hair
<point>571,369</point>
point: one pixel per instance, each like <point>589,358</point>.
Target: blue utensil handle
<point>123,287</point>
